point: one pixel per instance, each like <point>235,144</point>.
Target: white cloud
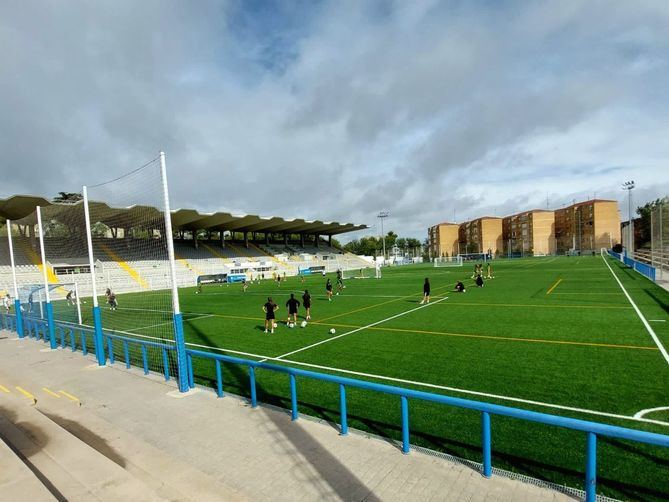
<point>335,111</point>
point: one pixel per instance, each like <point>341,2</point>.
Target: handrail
<point>592,429</point>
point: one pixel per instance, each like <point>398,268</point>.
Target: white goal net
<point>448,261</point>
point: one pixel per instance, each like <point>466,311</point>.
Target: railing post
<point>252,383</point>
<point>342,410</point>
<point>219,378</point>
<point>591,467</point>
<point>293,398</point>
<point>405,425</point>
<point>126,354</point>
<point>166,365</point>
<point>110,344</point>
<point>84,347</point>
<point>19,318</point>
<point>145,361</point>
<point>486,444</point>
<point>189,365</point>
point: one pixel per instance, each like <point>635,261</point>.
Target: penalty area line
<point>357,329</point>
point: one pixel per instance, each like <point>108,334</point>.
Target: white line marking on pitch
<point>357,329</point>
<point>440,387</point>
<point>650,410</point>
<point>643,319</point>
<point>171,322</point>
<point>657,320</point>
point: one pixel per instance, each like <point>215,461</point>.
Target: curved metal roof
<point>17,207</point>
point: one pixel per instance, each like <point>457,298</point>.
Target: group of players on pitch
<point>293,304</point>
<point>459,285</point>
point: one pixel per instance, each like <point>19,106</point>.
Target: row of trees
<point>373,246</point>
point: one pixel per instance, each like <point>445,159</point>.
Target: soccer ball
<point>291,325</point>
<point>303,324</point>
<point>337,294</point>
<point>275,325</point>
<point>332,331</point>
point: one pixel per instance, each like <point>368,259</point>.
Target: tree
<point>67,197</point>
<point>642,229</point>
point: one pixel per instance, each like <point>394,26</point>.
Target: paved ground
<point>200,447</point>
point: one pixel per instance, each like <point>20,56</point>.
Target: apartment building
<point>443,239</point>
<point>529,232</point>
<point>587,226</point>
<point>482,235</point>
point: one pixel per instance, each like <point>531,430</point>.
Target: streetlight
<point>629,186</point>
<point>382,215</point>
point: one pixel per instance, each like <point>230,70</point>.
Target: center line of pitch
<point>356,330</point>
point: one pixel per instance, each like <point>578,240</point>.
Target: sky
<point>335,110</point>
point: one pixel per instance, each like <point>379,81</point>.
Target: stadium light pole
<point>629,186</point>
<point>382,215</point>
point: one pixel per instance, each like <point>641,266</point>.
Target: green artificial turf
<point>554,331</point>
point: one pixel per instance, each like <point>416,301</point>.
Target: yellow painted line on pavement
<point>553,287</point>
<point>50,392</point>
<point>25,393</point>
<point>69,396</point>
<point>4,389</point>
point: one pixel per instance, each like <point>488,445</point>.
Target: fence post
<point>17,301</point>
<point>591,467</point>
<point>252,382</point>
<point>49,307</point>
<point>98,342</point>
<point>342,410</point>
<point>487,446</point>
<point>293,398</point>
<point>180,345</point>
<point>219,379</point>
<point>405,425</point>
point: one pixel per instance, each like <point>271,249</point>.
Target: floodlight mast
<point>629,186</point>
<point>382,215</point>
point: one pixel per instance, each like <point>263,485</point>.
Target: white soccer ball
<point>275,325</point>
<point>291,325</point>
<point>332,331</point>
<point>303,324</point>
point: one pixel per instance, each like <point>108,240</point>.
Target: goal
<point>64,297</point>
<point>448,261</point>
<point>359,273</point>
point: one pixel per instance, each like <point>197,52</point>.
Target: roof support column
<point>222,235</point>
<point>267,238</point>
<point>330,240</point>
<point>195,238</point>
<point>285,239</point>
<point>316,239</point>
<point>246,239</point>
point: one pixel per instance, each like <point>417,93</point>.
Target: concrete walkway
<point>140,437</point>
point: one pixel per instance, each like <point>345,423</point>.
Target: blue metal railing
<point>38,329</point>
<point>592,429</point>
<point>144,346</point>
<point>643,268</point>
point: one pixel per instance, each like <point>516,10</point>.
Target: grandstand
<point>248,244</point>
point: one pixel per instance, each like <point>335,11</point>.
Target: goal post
<point>63,297</point>
<point>448,261</point>
<point>360,273</point>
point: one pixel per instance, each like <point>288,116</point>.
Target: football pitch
<point>573,336</point>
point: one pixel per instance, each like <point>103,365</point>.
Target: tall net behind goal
<point>448,261</point>
<point>133,268</point>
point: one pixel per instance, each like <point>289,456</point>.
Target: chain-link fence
<point>659,237</point>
